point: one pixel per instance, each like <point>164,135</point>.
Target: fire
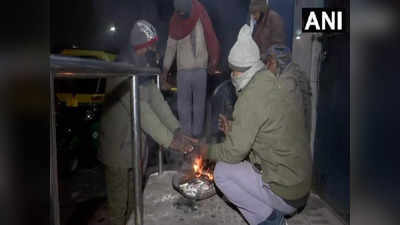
<point>198,169</point>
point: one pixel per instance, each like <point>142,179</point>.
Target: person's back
<point>294,70</point>
<point>287,159</point>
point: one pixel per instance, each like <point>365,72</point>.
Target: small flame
<point>198,169</point>
<point>209,175</point>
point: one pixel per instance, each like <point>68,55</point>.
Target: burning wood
<point>199,170</point>
<point>196,183</point>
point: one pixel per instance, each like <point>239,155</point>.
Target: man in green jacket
<point>157,120</point>
<point>264,164</point>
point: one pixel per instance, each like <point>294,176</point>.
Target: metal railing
<point>75,68</point>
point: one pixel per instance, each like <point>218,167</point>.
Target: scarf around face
<point>180,27</point>
<point>241,81</point>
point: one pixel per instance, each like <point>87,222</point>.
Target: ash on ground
<point>186,205</point>
<point>163,203</point>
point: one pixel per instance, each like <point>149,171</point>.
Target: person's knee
<point>223,173</point>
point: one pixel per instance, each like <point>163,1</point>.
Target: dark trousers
<point>192,91</point>
<point>119,184</point>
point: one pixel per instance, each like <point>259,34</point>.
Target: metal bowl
<point>192,187</point>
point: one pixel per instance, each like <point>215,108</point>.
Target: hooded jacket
<point>268,127</point>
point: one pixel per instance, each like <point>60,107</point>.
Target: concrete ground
<point>83,194</point>
<point>164,206</point>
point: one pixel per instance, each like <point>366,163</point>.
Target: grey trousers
<point>192,91</point>
<point>245,188</point>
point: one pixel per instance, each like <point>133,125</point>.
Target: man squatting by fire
<point>264,164</point>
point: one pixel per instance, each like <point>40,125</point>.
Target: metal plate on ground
<point>163,205</point>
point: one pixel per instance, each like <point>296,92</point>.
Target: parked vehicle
<point>78,110</point>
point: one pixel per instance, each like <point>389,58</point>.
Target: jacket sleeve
<point>248,118</point>
<point>162,109</point>
<point>170,53</point>
<point>149,121</point>
<point>153,126</point>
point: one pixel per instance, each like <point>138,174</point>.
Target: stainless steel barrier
<point>63,67</point>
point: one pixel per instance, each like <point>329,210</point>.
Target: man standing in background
<point>267,26</point>
<point>193,41</point>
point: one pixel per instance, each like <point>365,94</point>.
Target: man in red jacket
<point>193,42</point>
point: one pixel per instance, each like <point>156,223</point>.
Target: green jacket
<point>268,127</point>
<point>156,117</point>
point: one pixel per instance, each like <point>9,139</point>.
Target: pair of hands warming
<point>185,144</point>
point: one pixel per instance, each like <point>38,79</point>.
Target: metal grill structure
<point>62,67</point>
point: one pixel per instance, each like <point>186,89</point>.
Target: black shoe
<point>276,218</point>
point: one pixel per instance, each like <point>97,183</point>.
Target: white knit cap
<point>245,52</point>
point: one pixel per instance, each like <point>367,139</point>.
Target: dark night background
<point>24,79</point>
<point>86,24</point>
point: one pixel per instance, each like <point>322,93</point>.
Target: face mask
<point>239,82</point>
<point>235,81</point>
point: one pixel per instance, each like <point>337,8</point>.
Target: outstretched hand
<point>183,143</point>
<point>191,143</point>
<point>224,124</point>
<point>164,85</point>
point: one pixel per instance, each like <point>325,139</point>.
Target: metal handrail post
<point>54,197</point>
<point>136,150</point>
<point>160,153</point>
